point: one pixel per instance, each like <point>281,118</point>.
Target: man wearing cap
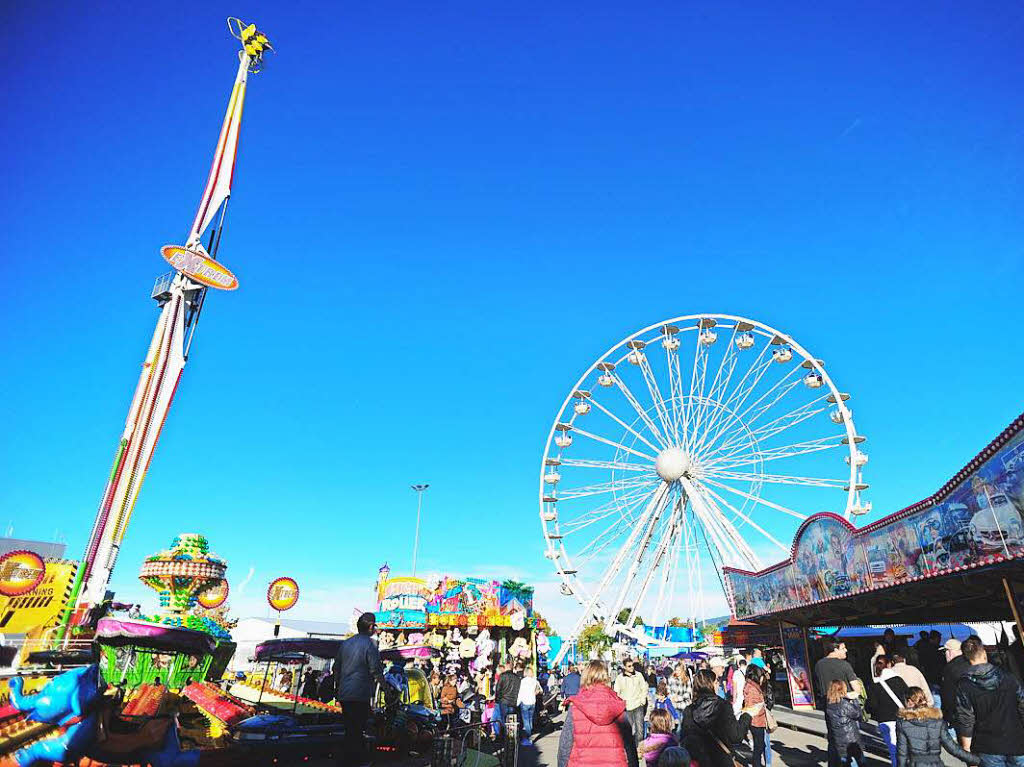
<point>956,666</point>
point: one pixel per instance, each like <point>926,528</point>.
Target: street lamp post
<point>420,489</point>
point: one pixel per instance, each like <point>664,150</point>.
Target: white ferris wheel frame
<point>555,549</point>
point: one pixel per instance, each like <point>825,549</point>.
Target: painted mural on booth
<point>982,517</point>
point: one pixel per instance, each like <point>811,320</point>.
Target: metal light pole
<point>420,489</point>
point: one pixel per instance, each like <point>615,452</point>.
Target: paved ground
<point>800,744</point>
<point>789,747</point>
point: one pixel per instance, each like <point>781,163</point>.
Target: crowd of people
<point>710,713</point>
<point>483,702</point>
<point>924,698</point>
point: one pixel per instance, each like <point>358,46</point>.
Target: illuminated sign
<point>283,593</point>
<point>404,594</point>
<point>199,267</point>
<point>20,572</point>
<point>214,596</point>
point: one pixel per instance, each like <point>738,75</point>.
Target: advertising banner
<point>42,605</point>
<point>20,572</point>
<point>457,602</point>
<point>283,593</point>
<point>794,643</point>
<point>977,522</point>
<point>199,267</point>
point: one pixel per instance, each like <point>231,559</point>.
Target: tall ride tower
<point>181,295</point>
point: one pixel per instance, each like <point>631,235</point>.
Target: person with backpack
<point>921,735</point>
<point>886,696</point>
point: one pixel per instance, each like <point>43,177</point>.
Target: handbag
<point>742,753</point>
<point>770,723</point>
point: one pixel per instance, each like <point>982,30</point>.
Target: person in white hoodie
<point>739,680</point>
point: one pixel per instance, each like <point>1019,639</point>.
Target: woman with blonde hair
<point>680,689</point>
<point>596,732</point>
<point>842,719</point>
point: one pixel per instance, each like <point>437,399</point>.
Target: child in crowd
<point>842,718</point>
<point>662,701</point>
<point>661,736</point>
<point>450,701</point>
<point>921,734</point>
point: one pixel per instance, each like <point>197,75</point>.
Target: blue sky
<point>444,213</point>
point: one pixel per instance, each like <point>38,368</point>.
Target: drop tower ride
<point>180,295</point>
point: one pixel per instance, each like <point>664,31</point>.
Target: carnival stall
<point>956,555</point>
<point>474,623</point>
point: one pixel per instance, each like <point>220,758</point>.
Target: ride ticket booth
<point>955,556</point>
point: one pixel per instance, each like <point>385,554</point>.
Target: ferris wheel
<point>693,444</point>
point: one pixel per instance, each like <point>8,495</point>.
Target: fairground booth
<point>953,557</point>
<point>472,622</point>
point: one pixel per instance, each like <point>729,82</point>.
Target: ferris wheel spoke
<point>600,542</point>
<point>781,479</point>
<point>668,536</point>
<point>616,565</point>
<point>624,425</point>
<point>675,386</point>
<point>748,381</point>
<point>744,388</point>
<point>587,463</point>
<point>727,532</point>
<point>740,417</point>
<point>659,401</point>
<point>756,499</point>
<point>605,487</point>
<point>737,459</point>
<point>711,527</point>
<point>779,395</point>
<point>618,506</point>
<point>783,547</point>
<point>612,504</point>
<point>643,544</point>
<point>669,573</point>
<point>640,411</point>
<point>698,374</point>
<point>776,426</point>
<point>625,515</point>
<point>612,443</point>
<point>708,404</point>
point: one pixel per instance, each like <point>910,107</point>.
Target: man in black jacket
<point>956,666</point>
<point>989,708</point>
<point>506,693</point>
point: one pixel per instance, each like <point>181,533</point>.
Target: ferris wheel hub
<point>673,463</point>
